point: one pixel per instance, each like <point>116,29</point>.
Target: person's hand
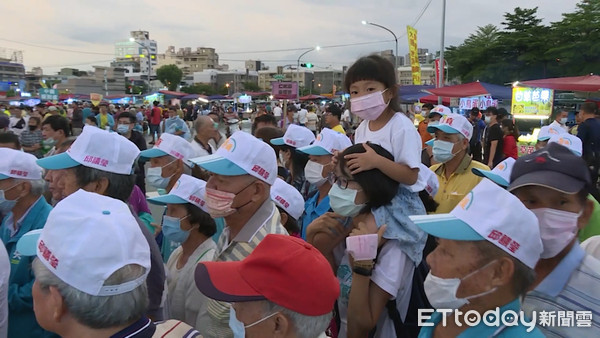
<point>490,164</point>
<point>360,162</point>
<point>329,224</point>
<point>157,228</point>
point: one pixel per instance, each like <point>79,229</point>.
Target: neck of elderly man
<point>25,202</point>
<point>459,150</point>
<point>251,194</point>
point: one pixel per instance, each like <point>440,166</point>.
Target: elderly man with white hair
<point>21,200</point>
<point>91,282</point>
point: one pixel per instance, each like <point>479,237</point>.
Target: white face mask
<point>155,179</point>
<point>557,229</point>
<point>488,119</point>
<point>563,121</point>
<point>238,328</point>
<point>313,172</point>
<point>342,201</point>
<point>282,159</point>
<point>441,292</point>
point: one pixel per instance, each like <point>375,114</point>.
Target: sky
<point>82,33</point>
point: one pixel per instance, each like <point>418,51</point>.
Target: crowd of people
<point>318,221</point>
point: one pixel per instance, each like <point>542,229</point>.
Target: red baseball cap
<point>282,269</point>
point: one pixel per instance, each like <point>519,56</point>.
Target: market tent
<point>194,97</point>
<point>473,89</point>
<point>412,93</point>
<point>585,83</point>
<point>172,93</point>
<point>434,100</point>
<point>312,97</point>
<point>217,97</point>
<point>257,94</point>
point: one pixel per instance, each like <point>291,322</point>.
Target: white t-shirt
<point>400,137</point>
<point>393,273</point>
<point>277,111</point>
<point>346,116</point>
<point>184,301</point>
<point>4,275</point>
<point>302,116</point>
<point>199,150</point>
<point>312,120</point>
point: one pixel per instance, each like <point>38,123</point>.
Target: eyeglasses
<point>341,182</point>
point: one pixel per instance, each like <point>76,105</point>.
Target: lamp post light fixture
<point>298,70</point>
<point>395,39</point>
<point>149,61</point>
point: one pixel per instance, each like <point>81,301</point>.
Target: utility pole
<point>105,84</point>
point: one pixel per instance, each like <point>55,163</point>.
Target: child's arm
<point>368,160</point>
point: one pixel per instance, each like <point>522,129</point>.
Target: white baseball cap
<point>570,141</point>
<point>500,174</point>
<point>18,164</point>
<point>87,237</point>
<point>453,124</point>
<point>439,109</point>
<point>288,198</point>
<point>187,189</point>
<point>546,132</point>
<point>242,154</point>
<point>169,144</point>
<point>295,136</point>
<point>493,214</point>
<point>328,142</point>
<point>98,149</point>
<point>431,179</point>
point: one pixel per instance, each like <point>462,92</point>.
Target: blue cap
<point>167,199</point>
<point>446,226</point>
<point>443,127</point>
<point>314,150</point>
<point>219,165</point>
<point>56,162</point>
<point>492,176</point>
<point>27,244</point>
<point>152,153</point>
<point>430,142</point>
<point>279,141</point>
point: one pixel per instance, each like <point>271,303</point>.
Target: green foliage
<point>251,86</point>
<point>170,76</point>
<point>11,93</point>
<point>523,48</point>
<point>199,88</point>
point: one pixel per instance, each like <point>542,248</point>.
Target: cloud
<point>239,25</point>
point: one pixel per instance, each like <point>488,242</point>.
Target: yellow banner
<point>414,55</point>
<point>96,98</point>
<point>43,84</point>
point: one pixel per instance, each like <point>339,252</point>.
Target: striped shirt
<point>567,301</point>
<point>265,221</point>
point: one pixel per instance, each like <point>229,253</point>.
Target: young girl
<point>509,142</point>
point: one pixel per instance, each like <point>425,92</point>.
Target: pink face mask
<point>219,203</point>
<point>369,107</point>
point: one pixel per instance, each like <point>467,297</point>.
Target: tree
<point>11,93</point>
<point>251,86</point>
<point>170,76</point>
<point>199,88</point>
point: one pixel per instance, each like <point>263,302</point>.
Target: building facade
<point>138,55</point>
<point>12,75</point>
<point>188,60</point>
<point>427,75</point>
<point>103,80</point>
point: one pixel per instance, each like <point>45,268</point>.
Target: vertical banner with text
<point>414,55</point>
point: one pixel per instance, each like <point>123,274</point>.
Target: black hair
<point>267,118</point>
<point>430,204</point>
<point>10,138</point>
<point>36,119</point>
<point>512,127</point>
<point>428,106</point>
<point>299,160</point>
<point>92,119</point>
<point>57,123</point>
<point>266,134</point>
<point>292,224</point>
<point>334,110</point>
<point>207,225</point>
<point>126,114</point>
<point>379,188</point>
<point>589,108</point>
<point>374,68</point>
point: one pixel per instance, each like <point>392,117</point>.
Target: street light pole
<point>441,64</point>
<point>149,62</point>
<point>298,71</point>
<point>395,39</point>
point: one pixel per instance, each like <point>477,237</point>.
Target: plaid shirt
<point>28,138</point>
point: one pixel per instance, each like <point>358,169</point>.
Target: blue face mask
<point>6,205</point>
<point>171,227</point>
<point>342,201</point>
<point>238,328</point>
<point>155,179</point>
<point>122,129</point>
<point>442,151</point>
